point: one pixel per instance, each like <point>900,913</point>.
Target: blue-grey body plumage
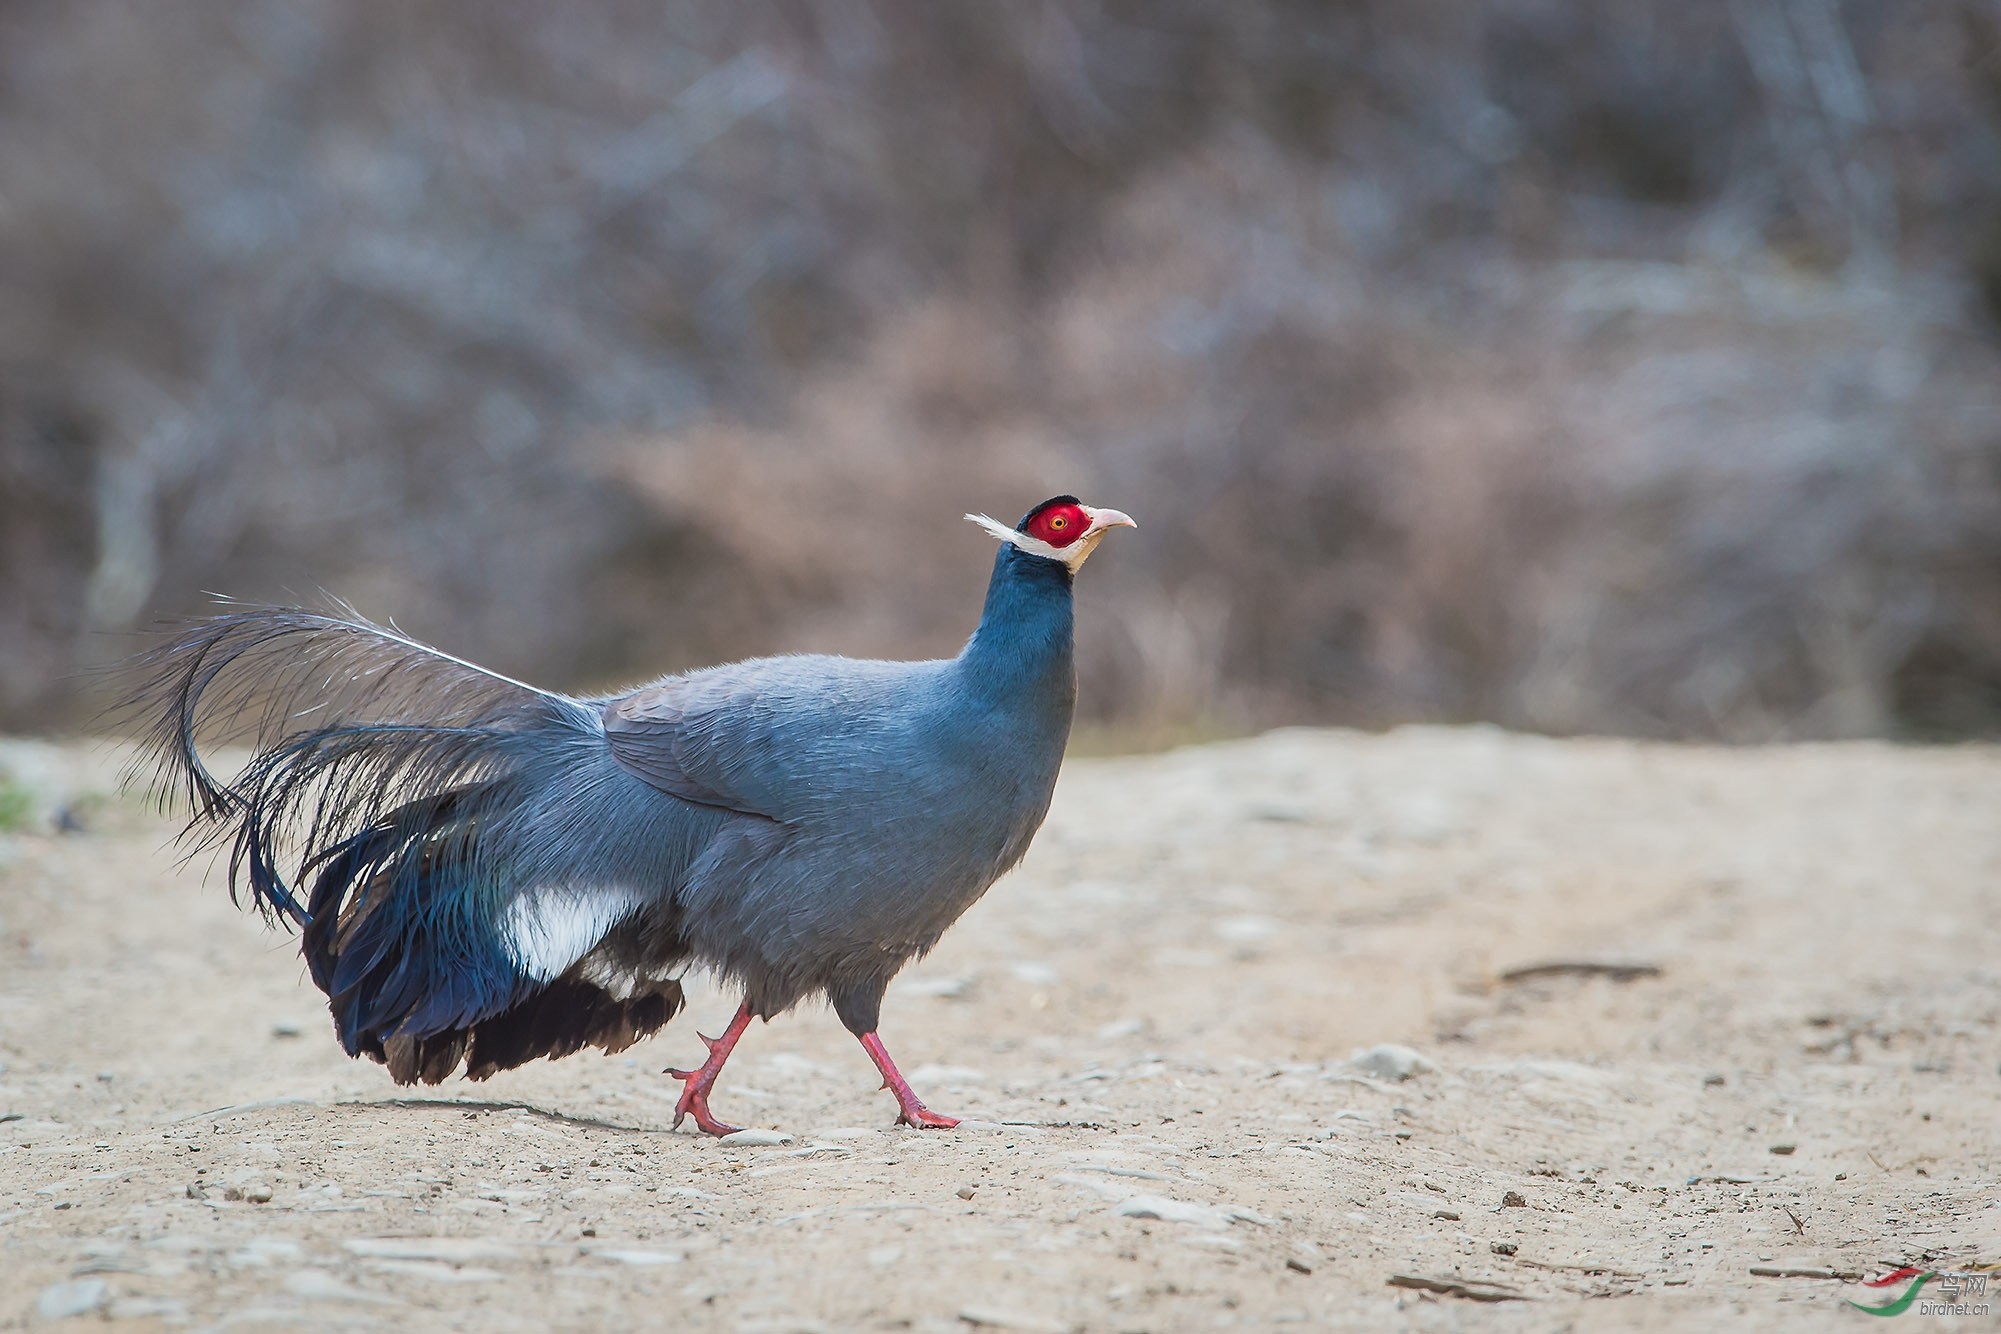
<point>485,872</point>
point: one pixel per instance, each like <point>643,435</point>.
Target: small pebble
<point>965,1192</point>
<point>284,1028</point>
<point>981,1317</point>
<point>78,1296</point>
<point>1504,1248</point>
<point>1166,1210</point>
<point>1298,1266</point>
<point>1514,1199</point>
<point>1390,1061</point>
<point>436,1250</point>
<point>755,1139</point>
<point>317,1285</point>
<point>640,1259</point>
<point>1784,1150</point>
<point>1249,929</point>
<point>169,1309</point>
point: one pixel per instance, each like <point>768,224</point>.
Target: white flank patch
<point>547,930</point>
<point>621,982</point>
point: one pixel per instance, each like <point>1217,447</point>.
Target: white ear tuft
<point>1034,546</point>
<point>995,528</point>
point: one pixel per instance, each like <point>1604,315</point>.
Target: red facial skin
<point>1059,525</point>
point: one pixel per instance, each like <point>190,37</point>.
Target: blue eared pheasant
<point>484,872</point>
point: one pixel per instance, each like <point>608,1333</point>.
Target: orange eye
<point>1059,523</point>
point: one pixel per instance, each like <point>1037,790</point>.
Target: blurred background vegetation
<point>1608,367</point>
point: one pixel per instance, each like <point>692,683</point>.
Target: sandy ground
<point>1154,1022</point>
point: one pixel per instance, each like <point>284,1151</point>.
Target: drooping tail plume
<point>381,810</point>
<point>348,721</point>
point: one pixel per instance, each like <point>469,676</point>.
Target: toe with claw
<point>923,1118</point>
<point>694,1100</point>
<point>910,1109</point>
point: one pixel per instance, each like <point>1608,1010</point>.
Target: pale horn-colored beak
<point>1102,522</point>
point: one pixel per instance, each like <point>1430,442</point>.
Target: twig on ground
<point>1582,1267</point>
<point>1617,972</point>
<point>1472,1289</point>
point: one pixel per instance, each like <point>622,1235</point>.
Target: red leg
<point>910,1111</point>
<point>695,1097</point>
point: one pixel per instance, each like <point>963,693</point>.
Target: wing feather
<point>782,738</point>
<point>655,734</point>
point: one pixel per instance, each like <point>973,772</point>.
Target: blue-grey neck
<point>1023,646</point>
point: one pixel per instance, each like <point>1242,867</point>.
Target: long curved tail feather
<point>394,787</point>
<point>318,695</point>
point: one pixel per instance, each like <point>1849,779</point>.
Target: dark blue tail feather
<point>414,835</point>
<point>401,932</point>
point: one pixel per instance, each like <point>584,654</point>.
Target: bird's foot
<point>915,1113</point>
<point>694,1100</point>
<point>910,1110</point>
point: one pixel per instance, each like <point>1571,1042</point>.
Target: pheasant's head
<point>1063,529</point>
